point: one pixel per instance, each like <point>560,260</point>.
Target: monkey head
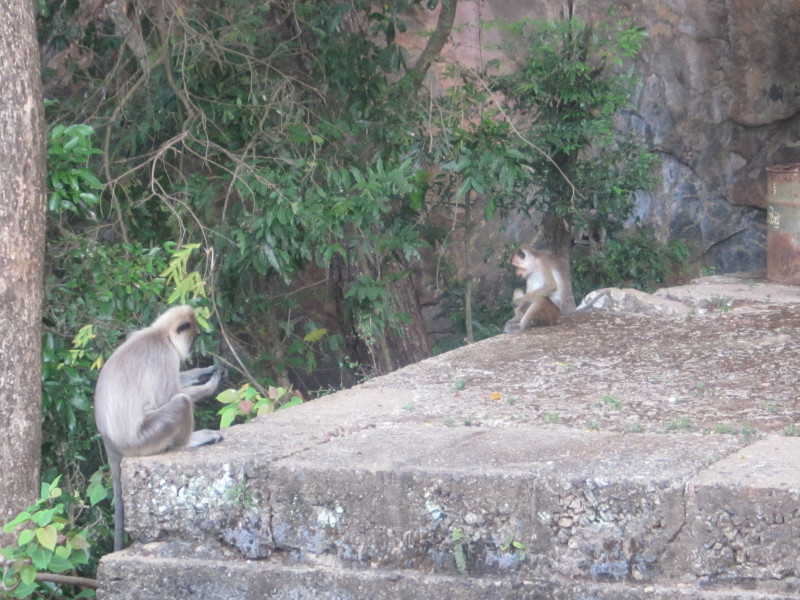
<point>522,260</point>
<point>181,324</point>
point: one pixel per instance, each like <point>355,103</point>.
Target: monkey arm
<point>196,376</point>
<point>548,287</point>
<point>199,391</point>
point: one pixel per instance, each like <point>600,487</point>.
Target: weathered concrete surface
<point>612,456</point>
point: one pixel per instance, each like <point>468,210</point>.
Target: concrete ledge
<point>146,576</point>
<point>609,456</point>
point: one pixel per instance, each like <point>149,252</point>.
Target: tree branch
<point>435,43</point>
<point>72,580</point>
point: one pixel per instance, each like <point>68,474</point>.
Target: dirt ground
<point>721,356</point>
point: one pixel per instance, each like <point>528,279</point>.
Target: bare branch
<point>436,42</point>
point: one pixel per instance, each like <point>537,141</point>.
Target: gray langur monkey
<point>540,303</point>
<point>143,404</point>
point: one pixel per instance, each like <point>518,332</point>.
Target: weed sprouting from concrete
<point>240,494</point>
<point>725,429</point>
<point>459,553</point>
<point>682,424</point>
<point>458,384</point>
<point>517,547</point>
<point>722,303</point>
<point>553,418</point>
<point>791,431</point>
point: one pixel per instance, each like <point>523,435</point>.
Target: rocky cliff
<point>718,102</point>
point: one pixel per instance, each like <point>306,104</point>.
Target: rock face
<point>718,103</point>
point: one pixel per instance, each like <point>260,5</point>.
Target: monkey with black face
<point>143,404</point>
<point>540,303</point>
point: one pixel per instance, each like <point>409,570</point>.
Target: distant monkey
<point>540,303</point>
<point>143,404</point>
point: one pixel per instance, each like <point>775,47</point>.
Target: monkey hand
<point>223,371</point>
<point>219,375</point>
<point>522,301</point>
<point>512,326</point>
<point>201,383</point>
<point>202,375</point>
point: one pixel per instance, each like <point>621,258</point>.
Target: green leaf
<point>24,590</point>
<point>97,493</point>
<point>315,335</point>
<point>20,518</point>
<point>41,558</point>
<point>491,207</point>
<point>25,536</point>
<point>227,415</point>
<point>60,564</point>
<point>47,536</point>
<point>27,574</point>
<point>295,401</point>
<point>228,396</point>
<point>44,516</point>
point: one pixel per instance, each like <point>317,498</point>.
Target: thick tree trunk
<point>340,277</point>
<point>22,228</point>
<point>557,238</point>
<point>411,344</point>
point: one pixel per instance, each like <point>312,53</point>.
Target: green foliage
<point>458,384</point>
<point>791,430</point>
<point>487,318</point>
<point>573,81</point>
<point>459,540</point>
<point>246,403</point>
<point>48,542</point>
<point>73,187</point>
<point>518,548</point>
<point>480,160</point>
<point>632,259</point>
<point>682,424</point>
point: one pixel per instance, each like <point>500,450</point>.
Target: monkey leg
<point>203,437</point>
<point>541,311</point>
<point>512,325</point>
<point>170,426</point>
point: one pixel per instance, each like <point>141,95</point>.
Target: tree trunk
<point>557,238</point>
<point>22,229</point>
<point>412,344</point>
<point>340,277</point>
<point>468,271</point>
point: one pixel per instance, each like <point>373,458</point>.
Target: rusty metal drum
<point>783,223</point>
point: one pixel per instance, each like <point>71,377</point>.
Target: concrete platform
<point>612,456</point>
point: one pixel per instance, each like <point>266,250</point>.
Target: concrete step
<point>146,576</point>
<point>594,509</point>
